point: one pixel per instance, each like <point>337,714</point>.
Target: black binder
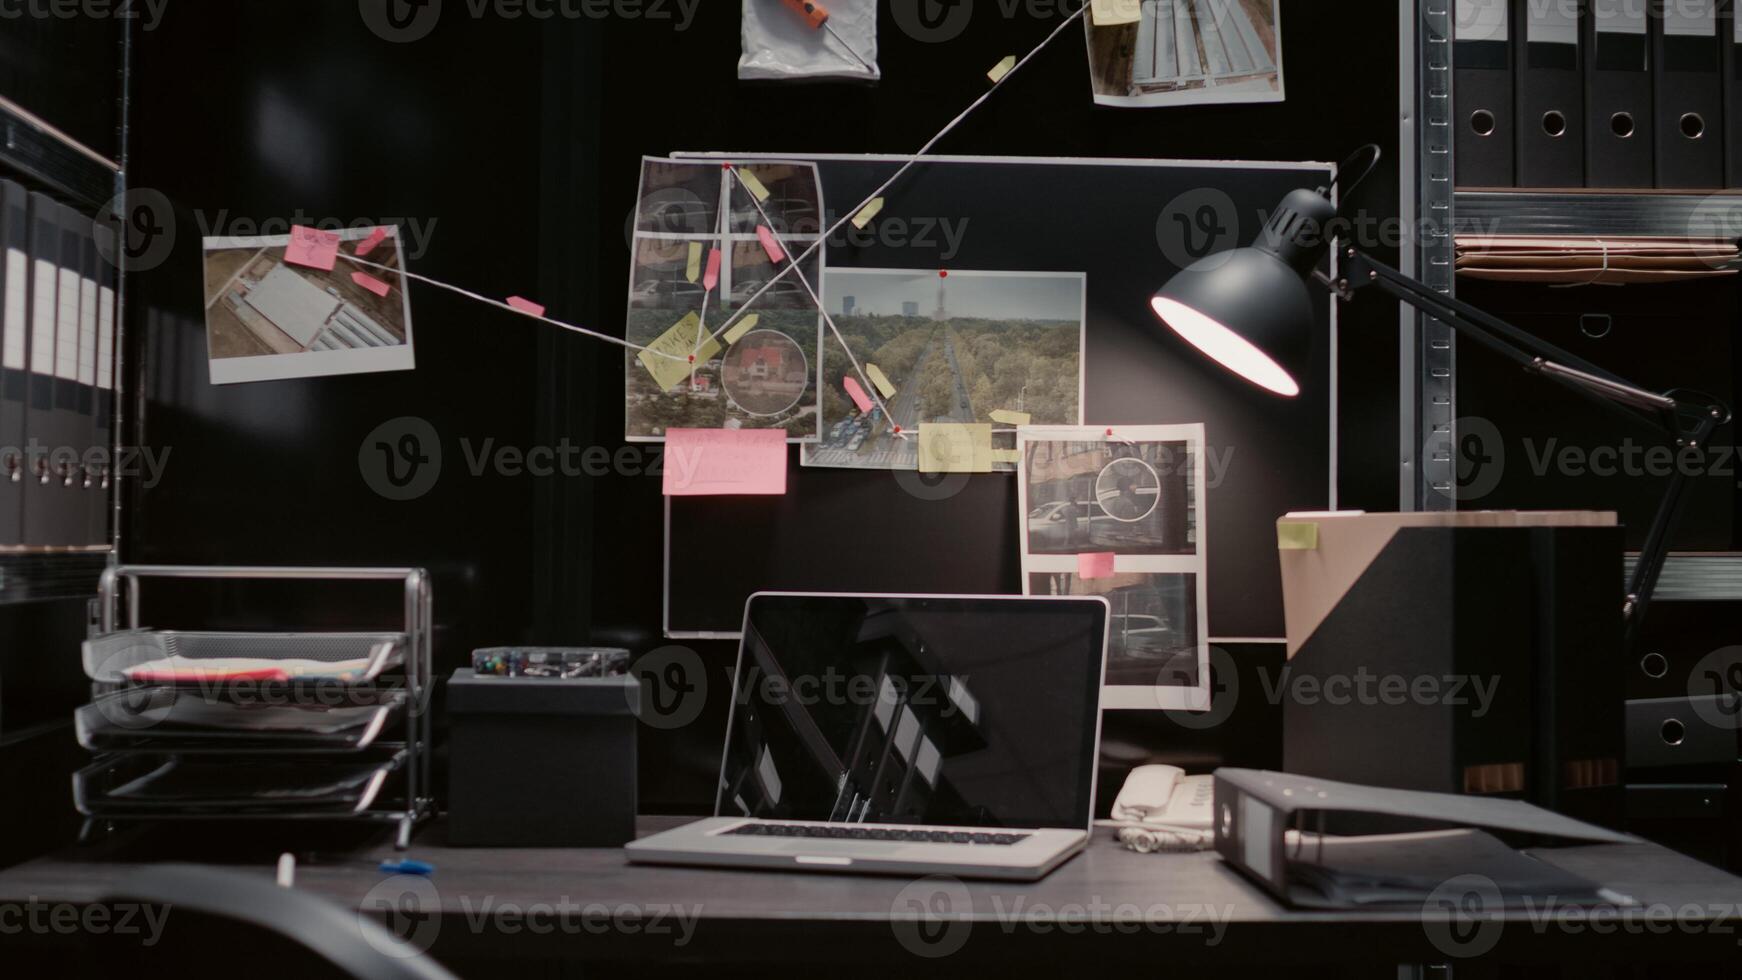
<point>103,421</point>
<point>1690,95</point>
<point>41,423</point>
<point>1730,43</point>
<point>1482,94</point>
<point>1619,128</point>
<point>1550,94</point>
<point>14,356</point>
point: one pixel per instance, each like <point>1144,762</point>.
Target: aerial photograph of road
<point>985,342</point>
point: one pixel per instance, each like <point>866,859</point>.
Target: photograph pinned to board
<point>709,243</point>
<point>295,306</point>
<point>784,40</point>
<point>1150,53</point>
<point>984,351</point>
<point>1122,516</point>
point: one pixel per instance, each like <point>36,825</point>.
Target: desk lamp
<point>1251,310</point>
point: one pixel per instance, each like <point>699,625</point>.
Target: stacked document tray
<point>319,725</point>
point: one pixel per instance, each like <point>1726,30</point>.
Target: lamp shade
<point>1251,310</point>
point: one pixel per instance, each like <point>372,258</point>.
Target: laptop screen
<point>930,710</point>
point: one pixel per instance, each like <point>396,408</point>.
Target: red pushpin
<point>943,273</point>
<point>693,360</point>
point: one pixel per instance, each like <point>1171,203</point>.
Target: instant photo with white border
<point>1141,560</point>
<point>324,334</point>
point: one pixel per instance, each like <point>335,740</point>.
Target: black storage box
<point>1510,622</point>
<point>541,762</point>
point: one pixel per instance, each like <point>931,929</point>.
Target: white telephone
<point>1162,808</point>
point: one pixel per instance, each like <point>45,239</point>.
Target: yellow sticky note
<point>741,328</point>
<point>955,447</point>
<point>1011,418</point>
<point>1297,536</point>
<point>868,212</point>
<point>694,271</point>
<point>1001,69</point>
<point>755,185</point>
<point>880,379</point>
<point>1006,455</point>
<point>680,342</point>
<point>1111,13</point>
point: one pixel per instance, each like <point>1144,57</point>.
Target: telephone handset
<point>1162,808</point>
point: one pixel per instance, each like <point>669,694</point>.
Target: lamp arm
<point>1542,358</point>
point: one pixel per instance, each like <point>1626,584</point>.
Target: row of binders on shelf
<point>1611,94</point>
<point>57,373</point>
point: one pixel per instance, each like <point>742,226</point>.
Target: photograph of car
<point>1106,495</point>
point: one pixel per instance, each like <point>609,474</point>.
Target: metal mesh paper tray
<point>109,658</point>
<point>175,786</point>
<point>179,719</point>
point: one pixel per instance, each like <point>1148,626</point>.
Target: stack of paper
<point>1512,258</point>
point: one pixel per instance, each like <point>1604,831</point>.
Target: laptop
<point>906,735</point>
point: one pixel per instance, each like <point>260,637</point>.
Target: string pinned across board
<point>532,311</point>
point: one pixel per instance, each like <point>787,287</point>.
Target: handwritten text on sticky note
<point>716,462</point>
<point>680,342</point>
<point>1097,564</point>
<point>312,247</point>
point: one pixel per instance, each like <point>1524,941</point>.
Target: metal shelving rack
<point>1429,200</point>
<point>35,149</point>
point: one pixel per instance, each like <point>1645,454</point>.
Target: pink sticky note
<point>1095,564</point>
<point>525,305</point>
<point>711,278</point>
<point>375,238</point>
<point>717,462</point>
<point>770,244</point>
<point>857,393</point>
<point>371,283</point>
<point>312,247</point>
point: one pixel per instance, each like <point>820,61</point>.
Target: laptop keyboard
<point>912,835</point>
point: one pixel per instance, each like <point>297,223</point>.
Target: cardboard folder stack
<point>1573,261</point>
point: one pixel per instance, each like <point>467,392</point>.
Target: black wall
<point>520,140</point>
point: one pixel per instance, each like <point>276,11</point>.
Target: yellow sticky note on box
<point>755,185</point>
<point>741,328</point>
<point>868,212</point>
<point>1008,417</point>
<point>1001,69</point>
<point>880,379</point>
<point>680,342</point>
<point>955,447</point>
<point>1111,13</point>
<point>1297,536</point>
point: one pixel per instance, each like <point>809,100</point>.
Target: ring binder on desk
<point>1690,95</point>
<point>1550,98</point>
<point>1619,118</point>
<point>1482,94</point>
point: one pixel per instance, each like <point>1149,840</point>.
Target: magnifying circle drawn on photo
<point>1116,489</point>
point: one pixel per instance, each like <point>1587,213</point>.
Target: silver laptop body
<point>906,735</point>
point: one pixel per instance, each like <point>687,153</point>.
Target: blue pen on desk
<point>407,868</point>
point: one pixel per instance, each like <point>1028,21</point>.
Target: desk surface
<point>591,904</point>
